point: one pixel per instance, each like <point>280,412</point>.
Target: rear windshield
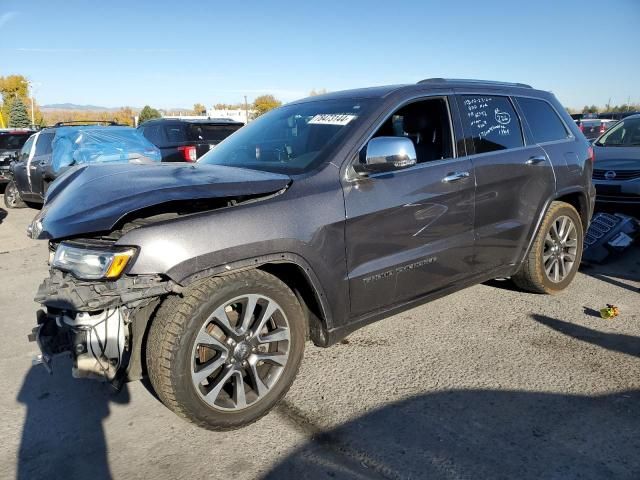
<point>13,141</point>
<point>210,133</point>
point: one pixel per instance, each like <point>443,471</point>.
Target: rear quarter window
<point>543,120</point>
<point>490,123</point>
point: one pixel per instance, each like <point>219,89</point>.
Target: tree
<point>11,87</point>
<point>18,116</point>
<point>148,113</point>
<point>314,92</point>
<point>264,103</point>
<point>199,109</point>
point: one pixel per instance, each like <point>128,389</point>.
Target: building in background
<point>235,114</point>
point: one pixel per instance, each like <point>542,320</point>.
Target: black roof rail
<point>478,82</point>
<point>110,123</point>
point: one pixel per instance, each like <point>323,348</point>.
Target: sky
<point>175,53</point>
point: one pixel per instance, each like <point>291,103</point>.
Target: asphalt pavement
<point>485,383</point>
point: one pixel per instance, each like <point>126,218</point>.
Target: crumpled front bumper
<point>93,321</point>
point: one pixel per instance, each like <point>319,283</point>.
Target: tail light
<point>189,153</point>
<point>591,154</point>
<point>581,127</point>
<point>603,127</point>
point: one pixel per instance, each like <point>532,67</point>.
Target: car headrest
<point>416,123</point>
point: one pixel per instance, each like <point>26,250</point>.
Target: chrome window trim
<point>351,176</point>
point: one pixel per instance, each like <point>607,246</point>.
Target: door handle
<point>455,177</point>
<point>536,160</point>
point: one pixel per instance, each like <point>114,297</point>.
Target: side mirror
<point>386,154</point>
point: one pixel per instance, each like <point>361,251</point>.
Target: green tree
<point>148,113</point>
<point>264,103</point>
<point>18,115</point>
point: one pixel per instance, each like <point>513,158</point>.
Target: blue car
<point>54,150</point>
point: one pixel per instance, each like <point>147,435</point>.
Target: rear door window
<point>490,122</point>
<point>210,133</point>
<point>43,145</point>
<point>543,120</point>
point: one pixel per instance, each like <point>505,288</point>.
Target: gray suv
<point>318,218</point>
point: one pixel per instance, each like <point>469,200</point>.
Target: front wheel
<point>556,252</point>
<point>12,197</point>
<point>227,351</point>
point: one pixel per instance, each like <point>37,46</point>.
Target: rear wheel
<point>12,197</point>
<point>225,353</point>
<point>556,252</point>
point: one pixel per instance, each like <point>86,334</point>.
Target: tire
<point>550,252</point>
<point>188,337</point>
<point>12,197</point>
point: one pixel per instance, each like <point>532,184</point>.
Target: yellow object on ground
<point>609,312</point>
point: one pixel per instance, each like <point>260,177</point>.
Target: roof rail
<point>111,123</point>
<point>478,82</point>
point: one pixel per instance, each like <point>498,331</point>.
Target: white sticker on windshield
<point>332,119</point>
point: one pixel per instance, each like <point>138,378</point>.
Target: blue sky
<point>176,53</point>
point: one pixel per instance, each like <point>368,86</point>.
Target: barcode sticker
<point>332,119</point>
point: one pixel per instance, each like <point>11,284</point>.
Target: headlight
<point>90,263</point>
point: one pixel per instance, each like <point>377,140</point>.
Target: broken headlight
<point>91,263</point>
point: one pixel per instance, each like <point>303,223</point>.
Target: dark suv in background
<point>11,141</point>
<point>186,140</point>
<point>316,219</point>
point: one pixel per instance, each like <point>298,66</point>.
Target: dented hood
<point>94,198</point>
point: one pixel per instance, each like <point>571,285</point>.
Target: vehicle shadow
<point>616,342</point>
<point>481,433</point>
<point>477,434</point>
<point>63,436</point>
<point>3,214</point>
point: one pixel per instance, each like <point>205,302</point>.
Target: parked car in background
<point>186,140</point>
<point>616,173</point>
<point>11,142</point>
<point>50,152</point>
<point>316,219</point>
<point>592,128</point>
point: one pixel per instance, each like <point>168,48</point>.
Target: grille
<point>620,174</point>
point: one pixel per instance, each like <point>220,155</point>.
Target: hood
<point>617,158</point>
<point>93,198</point>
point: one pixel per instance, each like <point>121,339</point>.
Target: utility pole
<point>246,110</point>
<point>29,84</point>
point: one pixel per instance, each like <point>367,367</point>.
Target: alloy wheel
<point>560,249</point>
<point>240,352</point>
<point>10,194</point>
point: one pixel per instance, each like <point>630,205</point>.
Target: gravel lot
<point>485,383</point>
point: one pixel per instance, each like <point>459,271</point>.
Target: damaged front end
<point>99,323</point>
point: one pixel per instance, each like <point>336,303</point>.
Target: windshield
<point>13,141</point>
<point>290,139</point>
<point>625,133</point>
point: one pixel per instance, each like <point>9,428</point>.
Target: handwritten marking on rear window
<point>485,119</point>
<point>332,119</point>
